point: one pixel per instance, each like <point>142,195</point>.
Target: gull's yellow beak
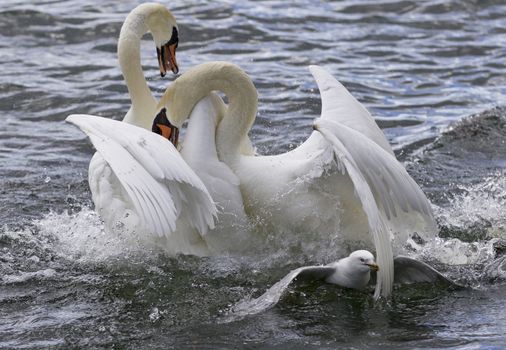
<point>373,267</point>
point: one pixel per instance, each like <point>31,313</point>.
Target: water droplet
<point>154,315</point>
<point>47,179</point>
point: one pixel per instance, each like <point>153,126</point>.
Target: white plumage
<point>343,180</point>
<point>158,183</point>
<point>350,272</point>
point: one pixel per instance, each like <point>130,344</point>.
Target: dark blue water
<point>421,68</point>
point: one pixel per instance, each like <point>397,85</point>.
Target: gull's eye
<point>362,259</point>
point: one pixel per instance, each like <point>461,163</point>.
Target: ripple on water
<point>418,66</point>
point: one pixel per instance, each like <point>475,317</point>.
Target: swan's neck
<point>199,140</point>
<point>143,102</point>
<point>242,107</point>
<point>237,122</point>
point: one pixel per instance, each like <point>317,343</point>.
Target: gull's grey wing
<point>409,270</point>
<point>273,294</point>
<point>312,273</point>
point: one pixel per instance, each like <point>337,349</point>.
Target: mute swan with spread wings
<point>164,203</point>
<point>344,179</point>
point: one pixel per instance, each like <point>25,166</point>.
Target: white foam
<point>26,276</point>
<point>455,252</point>
<point>483,204</point>
<point>81,236</point>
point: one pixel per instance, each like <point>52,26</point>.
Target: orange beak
<point>167,59</point>
<point>162,126</point>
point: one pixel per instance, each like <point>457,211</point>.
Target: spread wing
<point>157,181</point>
<point>339,105</point>
<point>361,149</point>
<point>347,160</point>
<point>409,270</point>
<point>274,293</point>
<point>392,187</point>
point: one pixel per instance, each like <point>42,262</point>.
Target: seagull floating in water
<point>353,272</point>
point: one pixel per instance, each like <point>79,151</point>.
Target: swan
<point>345,167</point>
<point>343,179</point>
<point>156,19</point>
<point>164,203</point>
<point>107,194</point>
<point>115,199</point>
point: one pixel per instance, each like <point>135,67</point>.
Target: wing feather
<point>381,183</point>
<point>158,182</point>
<point>376,221</point>
<point>339,105</point>
<point>274,293</point>
<point>409,270</point>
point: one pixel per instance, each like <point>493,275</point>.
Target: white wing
<point>381,183</point>
<point>354,126</point>
<point>347,160</point>
<point>361,149</point>
<point>273,294</point>
<point>159,184</point>
<point>391,185</point>
<point>339,105</point>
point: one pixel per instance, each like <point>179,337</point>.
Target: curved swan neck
<point>238,119</point>
<point>198,82</point>
<point>130,63</point>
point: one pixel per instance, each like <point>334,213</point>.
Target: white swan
<point>346,166</point>
<point>107,194</point>
<point>300,190</point>
<point>157,20</point>
<point>159,200</point>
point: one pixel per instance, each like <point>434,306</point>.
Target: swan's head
<point>188,89</point>
<point>162,126</point>
<point>197,82</point>
<point>362,260</point>
<point>162,25</point>
<point>180,97</point>
<point>173,112</point>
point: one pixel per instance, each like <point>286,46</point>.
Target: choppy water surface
<point>418,66</point>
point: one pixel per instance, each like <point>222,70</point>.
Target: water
<point>419,67</point>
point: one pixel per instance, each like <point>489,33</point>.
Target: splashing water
<point>417,66</point>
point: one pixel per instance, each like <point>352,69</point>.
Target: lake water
<point>421,68</point>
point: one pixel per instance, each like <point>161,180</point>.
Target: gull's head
<point>354,271</point>
<point>362,260</point>
<point>162,25</point>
